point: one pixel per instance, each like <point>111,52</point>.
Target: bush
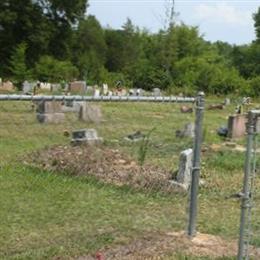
<point>193,74</point>
<point>254,86</point>
<point>112,78</point>
<point>49,69</point>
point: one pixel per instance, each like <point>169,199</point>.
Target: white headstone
<point>105,89</point>
<point>156,92</point>
<point>27,87</point>
<point>96,93</point>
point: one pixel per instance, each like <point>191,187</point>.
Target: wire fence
<point>80,173</point>
<point>249,189</point>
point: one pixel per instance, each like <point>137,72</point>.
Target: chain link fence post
<point>200,106</point>
<point>245,202</point>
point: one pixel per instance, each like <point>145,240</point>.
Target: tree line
<point>56,40</point>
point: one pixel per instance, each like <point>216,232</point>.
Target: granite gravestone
<point>50,112</point>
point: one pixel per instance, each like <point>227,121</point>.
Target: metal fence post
<point>245,203</point>
<point>200,103</point>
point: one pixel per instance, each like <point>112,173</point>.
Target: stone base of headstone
<point>237,125</point>
<point>178,187</point>
<point>85,136</point>
<point>54,118</point>
<point>90,113</point>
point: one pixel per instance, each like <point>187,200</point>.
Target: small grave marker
<point>85,136</point>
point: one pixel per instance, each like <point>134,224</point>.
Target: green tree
<point>46,27</point>
<point>49,69</point>
<point>256,18</point>
<point>18,66</point>
<point>89,49</point>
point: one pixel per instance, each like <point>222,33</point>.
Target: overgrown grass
<point>45,214</point>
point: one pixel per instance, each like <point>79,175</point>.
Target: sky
<point>230,21</point>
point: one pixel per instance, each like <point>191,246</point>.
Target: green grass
<point>45,215</point>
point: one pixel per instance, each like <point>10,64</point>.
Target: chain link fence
<point>251,172</point>
<point>80,174</point>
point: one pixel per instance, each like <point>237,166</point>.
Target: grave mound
<point>105,164</point>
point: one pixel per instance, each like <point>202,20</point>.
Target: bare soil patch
<point>106,164</point>
<point>165,246</point>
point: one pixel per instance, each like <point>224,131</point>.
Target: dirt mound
<point>161,246</point>
<point>108,165</point>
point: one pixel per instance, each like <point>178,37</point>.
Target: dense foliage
<point>54,40</point>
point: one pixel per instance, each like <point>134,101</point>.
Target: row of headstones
<point>80,87</point>
<point>54,112</point>
<point>29,87</point>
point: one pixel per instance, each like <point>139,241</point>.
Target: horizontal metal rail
<point>169,99</point>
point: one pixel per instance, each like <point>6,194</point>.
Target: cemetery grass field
<point>53,215</point>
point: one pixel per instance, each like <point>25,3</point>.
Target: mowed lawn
<point>45,215</point>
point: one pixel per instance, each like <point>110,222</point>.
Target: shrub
<point>52,70</point>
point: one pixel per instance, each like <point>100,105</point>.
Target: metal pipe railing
<point>169,99</point>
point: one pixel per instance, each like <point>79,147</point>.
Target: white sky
<point>229,21</point>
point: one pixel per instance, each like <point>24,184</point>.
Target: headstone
<point>78,87</point>
<point>121,92</point>
<point>156,92</point>
<point>45,86</point>
<point>97,93</point>
<point>237,125</point>
<point>132,92</point>
<point>104,89</point>
<point>55,87</point>
<point>186,109</point>
<point>227,102</point>
<point>258,125</point>
<point>188,131</point>
<point>27,87</point>
<point>90,90</point>
<point>185,166</point>
<point>135,137</point>
<point>90,113</point>
<point>7,85</point>
<point>183,178</point>
<point>216,107</point>
<point>86,136</point>
<point>50,112</point>
<point>140,92</point>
